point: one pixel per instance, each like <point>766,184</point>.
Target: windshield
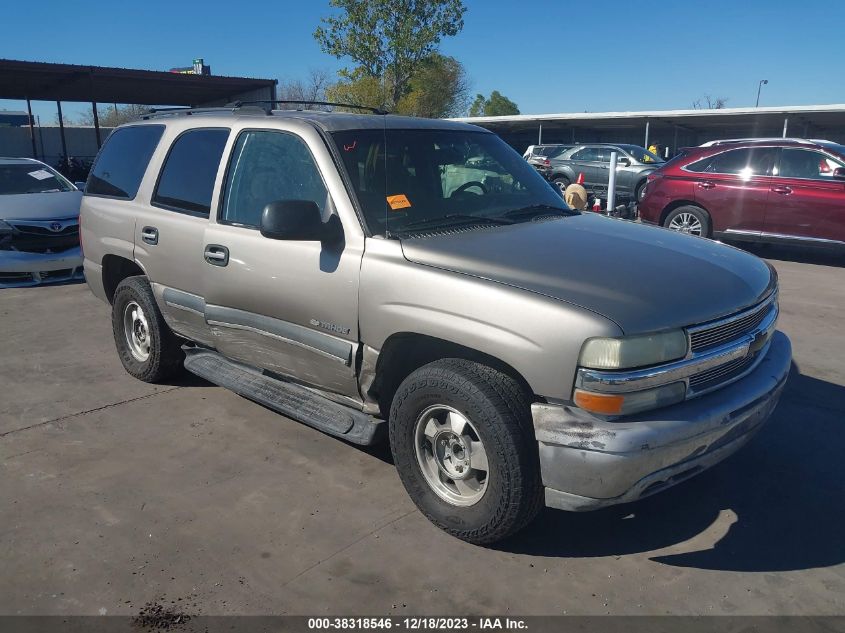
<point>30,178</point>
<point>641,154</point>
<point>407,180</point>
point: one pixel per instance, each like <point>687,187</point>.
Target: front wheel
<point>461,437</point>
<point>689,219</point>
<point>639,193</point>
<point>561,182</point>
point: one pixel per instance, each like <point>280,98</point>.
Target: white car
<point>39,225</point>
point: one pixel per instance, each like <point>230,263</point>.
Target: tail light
<point>547,162</point>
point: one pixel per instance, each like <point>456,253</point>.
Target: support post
<point>785,126</point>
<point>647,126</point>
<point>96,123</point>
<point>31,127</point>
<point>540,135</point>
<point>611,184</point>
<point>62,134</point>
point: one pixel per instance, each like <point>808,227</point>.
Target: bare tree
<point>710,103</point>
<point>113,115</point>
<point>311,88</point>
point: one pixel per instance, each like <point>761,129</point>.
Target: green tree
<point>388,39</point>
<point>439,88</point>
<point>497,105</point>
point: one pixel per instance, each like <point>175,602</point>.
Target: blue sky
<point>548,56</point>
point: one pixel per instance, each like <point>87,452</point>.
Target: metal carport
<point>673,128</point>
<point>41,81</point>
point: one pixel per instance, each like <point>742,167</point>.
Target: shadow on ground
<point>802,255</point>
<point>786,489</point>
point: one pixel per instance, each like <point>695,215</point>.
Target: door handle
<point>784,191</point>
<point>706,184</point>
<point>150,235</point>
<point>216,255</point>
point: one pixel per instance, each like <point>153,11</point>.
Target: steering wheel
<point>467,185</point>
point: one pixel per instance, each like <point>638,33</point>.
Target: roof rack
<point>263,106</point>
<point>773,139</point>
<point>333,104</point>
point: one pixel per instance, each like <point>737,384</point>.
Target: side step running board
<point>285,397</point>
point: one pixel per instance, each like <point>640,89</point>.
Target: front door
<point>734,188</point>
<point>290,307</point>
<point>806,202</point>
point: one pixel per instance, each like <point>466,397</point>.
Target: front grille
<point>723,332</point>
<point>721,374</point>
<point>31,229</point>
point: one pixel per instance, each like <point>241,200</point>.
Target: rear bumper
<point>19,269</point>
<point>588,462</point>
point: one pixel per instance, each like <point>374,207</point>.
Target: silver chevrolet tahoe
<point>376,275</point>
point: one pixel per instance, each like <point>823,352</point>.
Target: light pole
<point>759,88</point>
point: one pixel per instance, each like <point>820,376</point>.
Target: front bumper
<point>588,462</point>
<point>19,269</point>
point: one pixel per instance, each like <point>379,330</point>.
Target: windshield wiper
<point>536,209</point>
<point>456,218</point>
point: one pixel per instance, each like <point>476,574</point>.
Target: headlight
<point>632,402</point>
<point>633,351</point>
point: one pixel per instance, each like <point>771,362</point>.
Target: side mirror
<point>623,161</point>
<point>80,185</point>
<point>299,220</point>
<point>839,173</point>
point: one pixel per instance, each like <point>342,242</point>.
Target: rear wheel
<point>461,437</point>
<point>689,219</point>
<point>147,347</point>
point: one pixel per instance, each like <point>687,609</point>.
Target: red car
<point>764,190</point>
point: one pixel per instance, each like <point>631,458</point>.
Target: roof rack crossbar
<point>153,113</point>
<point>334,104</point>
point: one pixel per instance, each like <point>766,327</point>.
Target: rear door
<point>587,161</point>
<point>806,202</point>
<point>287,306</point>
<point>734,188</point>
<point>169,231</point>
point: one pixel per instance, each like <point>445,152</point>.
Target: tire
<point>149,350</point>
<point>488,505</point>
<point>689,219</point>
<point>561,182</point>
<point>638,192</point>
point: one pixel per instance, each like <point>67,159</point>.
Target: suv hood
<point>643,278</point>
<point>40,206</point>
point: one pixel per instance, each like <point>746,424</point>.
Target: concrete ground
<point>115,493</point>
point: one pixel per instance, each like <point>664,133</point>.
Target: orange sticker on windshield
<point>399,201</point>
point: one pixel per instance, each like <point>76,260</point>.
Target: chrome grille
<point>706,337</point>
<point>721,374</point>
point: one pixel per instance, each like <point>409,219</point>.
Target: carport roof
<point>821,115</point>
<point>43,81</point>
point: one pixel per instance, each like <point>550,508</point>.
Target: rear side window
<point>186,182</point>
<point>744,162</point>
<point>588,153</point>
<point>123,161</point>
